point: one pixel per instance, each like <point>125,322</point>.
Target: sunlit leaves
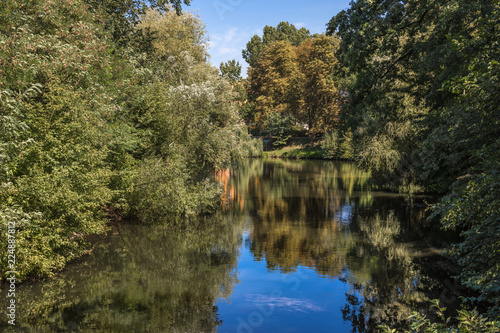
<point>283,32</point>
<point>297,82</point>
<point>174,34</point>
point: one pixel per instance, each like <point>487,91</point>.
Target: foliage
<point>99,118</point>
<point>297,82</point>
<point>121,17</point>
<point>231,70</point>
<point>403,63</point>
<point>338,145</point>
<point>319,97</point>
<point>468,322</point>
<point>175,34</point>
<point>280,127</point>
<point>422,78</point>
<point>59,182</point>
<point>189,115</point>
<point>330,143</point>
<point>472,207</point>
<point>346,148</point>
<point>272,80</point>
<point>284,31</point>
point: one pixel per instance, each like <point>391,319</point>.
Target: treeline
<point>292,89</point>
<point>290,84</point>
<point>107,109</point>
<point>410,89</point>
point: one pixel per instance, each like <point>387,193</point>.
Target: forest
<point>111,111</point>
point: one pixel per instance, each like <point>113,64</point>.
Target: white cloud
<point>228,45</point>
<point>285,303</point>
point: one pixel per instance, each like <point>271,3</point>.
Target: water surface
<point>300,246</point>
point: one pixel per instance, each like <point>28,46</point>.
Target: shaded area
<point>141,279</point>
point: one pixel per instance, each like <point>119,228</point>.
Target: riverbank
<point>297,151</point>
<point>330,148</point>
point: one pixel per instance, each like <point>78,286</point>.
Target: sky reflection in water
<point>301,246</point>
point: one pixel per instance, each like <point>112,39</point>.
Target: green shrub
<point>338,146</point>
<point>466,322</point>
<point>330,144</point>
<point>281,127</point>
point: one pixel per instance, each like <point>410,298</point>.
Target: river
<point>299,246</point>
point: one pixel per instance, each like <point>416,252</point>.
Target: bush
<point>473,208</point>
<point>466,322</point>
<point>336,146</point>
<point>165,192</point>
<point>281,127</point>
<point>330,144</point>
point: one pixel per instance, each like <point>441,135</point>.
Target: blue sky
<point>231,23</point>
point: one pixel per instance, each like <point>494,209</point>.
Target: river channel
<point>299,246</point>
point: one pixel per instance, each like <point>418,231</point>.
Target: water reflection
<point>321,215</point>
<point>140,279</point>
<point>301,246</point>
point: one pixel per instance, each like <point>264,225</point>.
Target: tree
<point>397,54</point>
<point>121,18</point>
<point>424,98</point>
<point>298,82</point>
<point>272,80</point>
<point>283,32</point>
<point>91,127</point>
<point>321,105</point>
<point>58,78</point>
<point>231,70</point>
<point>175,35</point>
<point>188,115</point>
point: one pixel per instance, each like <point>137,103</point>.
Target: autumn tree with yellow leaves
<point>296,83</point>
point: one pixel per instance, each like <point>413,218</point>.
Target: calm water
<point>299,247</point>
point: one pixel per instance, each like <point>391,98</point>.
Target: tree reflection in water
<point>322,215</point>
<point>140,279</point>
<point>319,216</point>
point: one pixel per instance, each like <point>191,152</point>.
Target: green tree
<point>231,70</point>
<point>398,56</point>
<point>423,79</point>
<point>91,127</point>
<point>56,83</point>
<point>121,18</point>
<point>175,34</point>
<point>188,115</point>
<point>284,31</point>
<point>321,104</point>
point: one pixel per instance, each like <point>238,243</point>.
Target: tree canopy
<point>284,31</point>
<point>231,70</point>
<point>93,124</point>
<point>422,78</point>
<point>298,83</point>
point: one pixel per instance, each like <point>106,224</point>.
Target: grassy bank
<point>311,150</point>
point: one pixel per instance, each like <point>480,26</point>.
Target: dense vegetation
<point>290,84</point>
<point>424,97</point>
<point>110,109</point>
<point>107,109</point>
